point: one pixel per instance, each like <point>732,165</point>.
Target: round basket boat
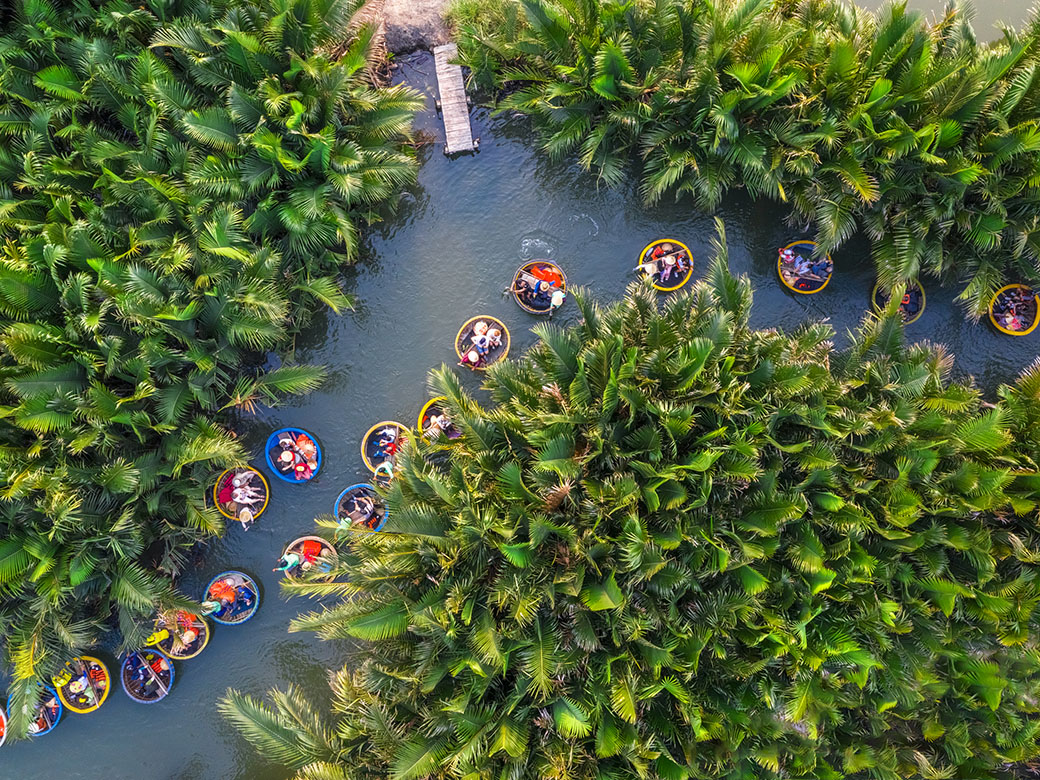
<point>147,676</point>
<point>173,635</point>
<point>534,283</point>
<point>238,595</point>
<point>248,479</point>
<point>314,553</point>
<point>48,712</point>
<point>353,517</point>
<point>808,282</point>
<point>656,263</point>
<point>382,442</point>
<point>435,408</point>
<point>305,462</point>
<point>464,342</point>
<point>3,726</point>
<point>910,309</point>
<point>1015,304</point>
<point>83,684</point>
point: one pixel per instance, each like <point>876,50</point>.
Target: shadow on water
<point>445,256</point>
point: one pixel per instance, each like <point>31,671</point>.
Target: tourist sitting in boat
<point>387,445</point>
<point>1012,321</point>
<point>472,359</point>
<point>247,495</point>
<point>438,424</point>
<point>362,511</point>
<point>542,295</point>
<point>384,472</point>
<point>481,343</point>
<point>558,297</point>
<point>42,722</point>
<point>223,593</point>
<point>796,266</point>
<point>290,562</point>
<point>245,517</point>
<point>494,339</point>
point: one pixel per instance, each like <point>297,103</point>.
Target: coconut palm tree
<point>676,546</point>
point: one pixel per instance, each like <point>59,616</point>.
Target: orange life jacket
<point>310,549</point>
<point>221,591</point>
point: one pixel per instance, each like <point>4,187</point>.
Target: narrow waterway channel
<point>444,257</point>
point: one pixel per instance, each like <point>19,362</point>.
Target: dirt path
<point>408,25</point>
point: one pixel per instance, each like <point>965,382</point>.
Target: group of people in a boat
<point>540,287</point>
<point>483,340</point>
<point>1015,309</point>
<point>439,424</point>
<point>227,598</point>
<point>799,271</point>
<point>240,495</point>
<point>298,456</point>
<point>144,676</point>
<point>666,263</point>
<point>310,555</point>
<point>80,688</point>
<point>45,714</point>
<point>181,627</point>
<point>362,509</point>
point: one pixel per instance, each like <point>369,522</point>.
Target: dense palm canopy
<point>915,133</point>
<point>179,183</point>
<point>678,547</point>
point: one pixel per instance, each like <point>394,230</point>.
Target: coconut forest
<point>519,390</point>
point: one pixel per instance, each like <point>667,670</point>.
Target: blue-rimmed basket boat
<point>346,517</point>
<point>47,717</point>
<point>243,607</point>
<point>273,449</point>
<point>153,685</point>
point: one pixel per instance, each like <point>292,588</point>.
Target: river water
<point>444,257</point>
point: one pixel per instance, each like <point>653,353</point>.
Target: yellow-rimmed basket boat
<point>83,684</point>
<point>803,284</point>
<point>464,344</point>
<point>912,306</point>
<point>374,454</point>
<point>225,485</point>
<point>435,408</point>
<point>1028,308</point>
<point>173,635</point>
<point>652,266</point>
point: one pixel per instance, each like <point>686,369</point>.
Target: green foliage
<point>180,183</point>
<point>764,558</point>
<point>915,133</point>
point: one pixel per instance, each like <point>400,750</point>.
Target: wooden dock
<point>454,105</point>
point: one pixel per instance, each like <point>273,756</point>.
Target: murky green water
<point>444,258</point>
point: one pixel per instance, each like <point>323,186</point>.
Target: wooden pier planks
<point>454,107</point>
